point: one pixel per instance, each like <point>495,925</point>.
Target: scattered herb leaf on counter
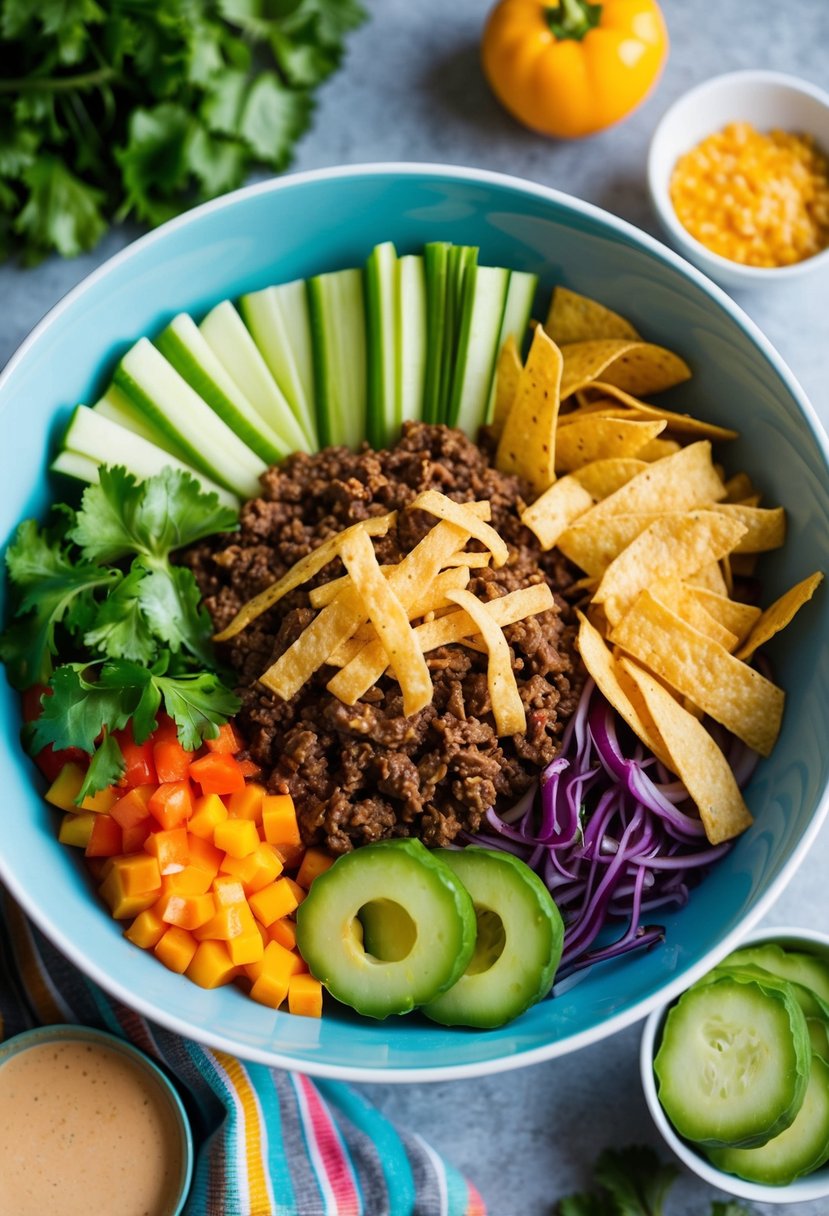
<point>633,1182</point>
<point>110,110</point>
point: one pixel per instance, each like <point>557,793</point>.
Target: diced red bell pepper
<point>166,730</point>
<point>136,836</point>
<point>32,702</point>
<point>172,803</point>
<point>171,760</point>
<point>138,759</point>
<point>106,839</point>
<point>226,743</point>
<point>218,773</point>
<point>50,762</point>
<point>133,807</point>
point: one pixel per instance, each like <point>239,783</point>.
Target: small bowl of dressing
<point>88,1121</point>
<point>738,174</point>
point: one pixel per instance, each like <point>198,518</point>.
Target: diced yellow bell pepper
<point>176,949</point>
<point>305,996</point>
<point>314,863</point>
<point>122,904</point>
<point>65,788</point>
<point>101,802</point>
<point>211,965</point>
<point>76,829</point>
<point>274,901</point>
<point>237,837</point>
<point>209,813</point>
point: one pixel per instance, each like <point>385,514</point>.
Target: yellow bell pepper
<point>573,68</point>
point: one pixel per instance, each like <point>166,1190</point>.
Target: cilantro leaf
<point>61,211</point>
<point>79,710</point>
<point>48,588</point>
<point>637,1180</point>
<point>119,627</point>
<point>198,704</point>
<point>170,600</point>
<point>105,768</point>
<point>273,118</point>
<point>154,162</point>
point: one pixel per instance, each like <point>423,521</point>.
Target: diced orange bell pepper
<point>277,959</point>
<point>189,881</point>
<point>124,905</point>
<point>228,891</point>
<point>209,812</point>
<point>283,931</point>
<point>136,837</point>
<point>257,870</point>
<point>147,929</point>
<point>246,948</point>
<point>226,923</point>
<point>138,872</point>
<point>211,965</point>
<point>226,743</point>
<point>218,773</point>
<point>237,837</point>
<point>247,803</point>
<point>279,820</point>
<point>105,840</point>
<point>305,996</point>
<point>170,848</point>
<point>172,803</point>
<point>186,911</point>
<point>138,759</point>
<point>273,902</point>
<point>314,863</point>
<point>132,807</point>
<point>203,854</point>
<point>76,830</point>
<point>172,762</point>
<point>176,949</point>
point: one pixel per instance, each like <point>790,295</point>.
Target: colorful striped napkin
<point>269,1143</point>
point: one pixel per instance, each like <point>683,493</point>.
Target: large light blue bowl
<point>322,221</point>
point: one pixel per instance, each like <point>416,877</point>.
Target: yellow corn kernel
<point>76,830</point>
<point>274,901</point>
<point>209,812</point>
<point>211,965</point>
<point>65,788</point>
<point>305,996</point>
<point>314,863</point>
<point>236,837</point>
<point>146,930</point>
<point>175,949</point>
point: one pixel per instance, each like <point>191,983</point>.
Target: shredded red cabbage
<point>614,837</point>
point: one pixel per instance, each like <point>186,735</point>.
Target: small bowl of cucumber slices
<point>736,1071</point>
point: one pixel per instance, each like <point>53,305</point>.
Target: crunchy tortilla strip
<point>390,621</point>
<point>507,376</point>
<point>504,697</point>
<point>473,561</point>
<point>576,318</point>
<point>765,526</point>
<point>527,444</point>
<point>593,546</point>
<point>604,477</point>
<point>730,691</point>
<point>680,598</point>
<point>696,759</point>
<point>736,617</point>
<point>679,424</point>
<point>463,516</point>
<point>738,487</point>
<point>431,599</point>
<point>778,615</point>
<point>556,509</point>
<point>673,546</point>
<point>605,670</point>
<point>336,622</point>
<point>361,673</point>
<point>677,483</point>
<point>326,592</point>
<point>601,439</point>
<point>656,449</point>
<point>709,578</point>
<point>300,573</point>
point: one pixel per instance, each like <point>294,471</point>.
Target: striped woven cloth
<point>268,1142</point>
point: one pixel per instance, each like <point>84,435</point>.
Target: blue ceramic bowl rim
<point>62,1031</point>
<point>63,939</point>
<point>810,1186</point>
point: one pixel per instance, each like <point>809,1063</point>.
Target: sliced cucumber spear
<point>228,337</point>
<point>383,403</point>
<point>338,333</point>
<point>411,336</point>
<point>461,263</point>
<point>482,313</point>
<point>117,406</point>
<point>170,405</point>
<point>436,264</point>
<point>517,312</point>
<point>279,323</point>
<point>185,347</point>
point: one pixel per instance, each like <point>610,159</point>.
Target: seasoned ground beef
<point>360,773</point>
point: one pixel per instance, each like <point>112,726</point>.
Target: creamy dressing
<point>82,1128</point>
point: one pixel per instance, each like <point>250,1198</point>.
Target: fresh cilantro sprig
<point>116,108</point>
<point>633,1182</point>
<point>83,711</point>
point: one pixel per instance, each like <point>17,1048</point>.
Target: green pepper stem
<point>573,18</point>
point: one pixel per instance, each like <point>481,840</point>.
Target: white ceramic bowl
<point>765,99</point>
<point>809,1188</point>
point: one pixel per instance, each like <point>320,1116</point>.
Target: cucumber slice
<point>461,263</point>
<point>518,946</point>
<point>429,929</point>
<point>383,404</point>
<point>170,404</point>
<point>436,267</point>
<point>227,335</point>
<point>733,1064</point>
<point>517,312</point>
<point>117,406</point>
<point>183,345</point>
<point>801,1148</point>
<point>482,313</point>
<point>281,328</point>
<point>73,464</point>
<point>97,440</point>
<point>795,965</point>
<point>338,334</point>
<point>411,336</point>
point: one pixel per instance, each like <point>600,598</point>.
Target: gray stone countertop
<point>411,89</point>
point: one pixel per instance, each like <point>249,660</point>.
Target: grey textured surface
<point>411,89</point>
